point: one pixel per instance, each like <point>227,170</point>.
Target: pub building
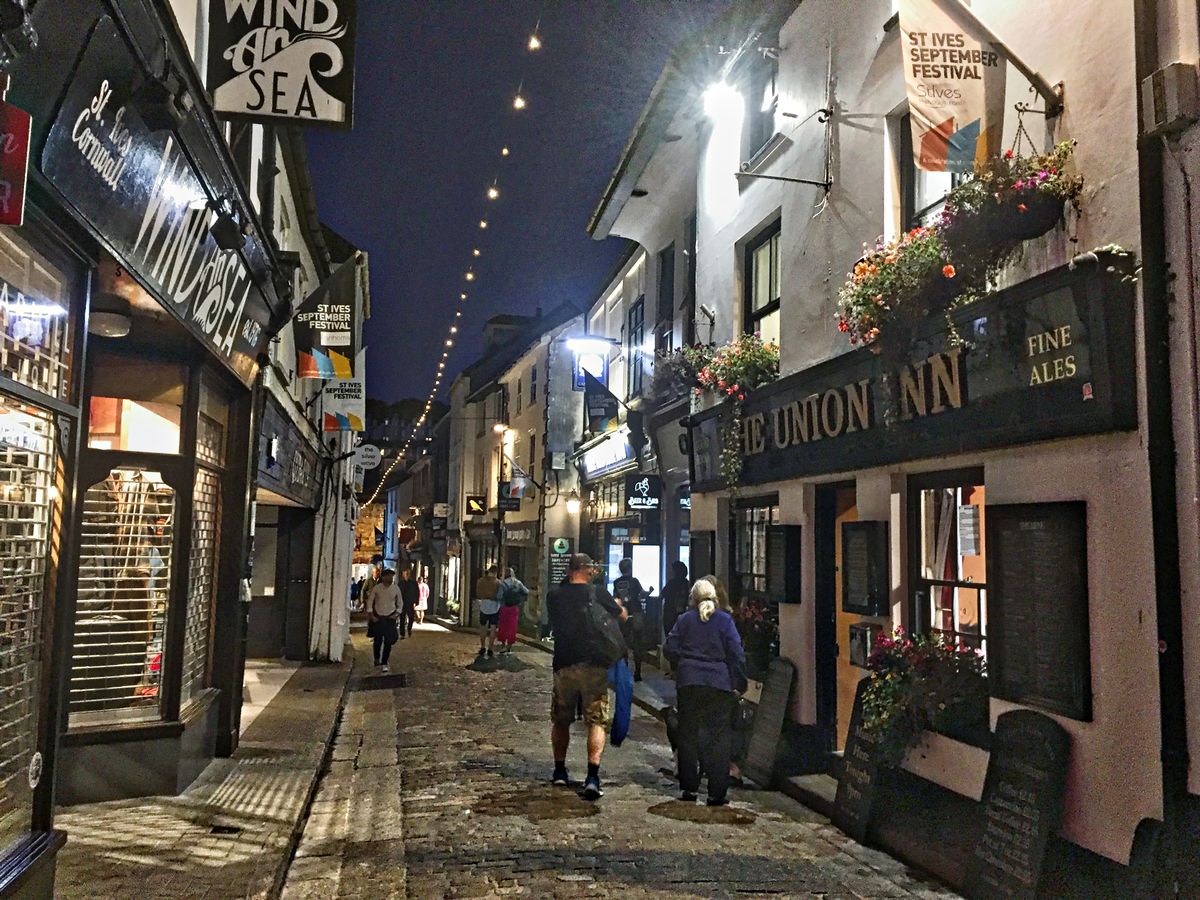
<point>133,315</point>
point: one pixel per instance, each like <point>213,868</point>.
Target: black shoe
<point>591,788</point>
<point>490,654</point>
<point>560,777</point>
<point>688,797</point>
<point>717,801</point>
<point>481,653</point>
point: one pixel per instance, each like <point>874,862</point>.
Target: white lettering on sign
<point>606,455</point>
<point>105,147</point>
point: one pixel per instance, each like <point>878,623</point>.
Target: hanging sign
<point>955,83</point>
<point>476,505</point>
<point>141,192</point>
<point>601,405</point>
<point>345,405</point>
<point>643,493</point>
<point>15,125</point>
<point>283,60</point>
<point>368,456</point>
<point>326,328</point>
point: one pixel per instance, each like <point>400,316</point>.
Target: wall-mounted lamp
<point>574,503</point>
<point>225,229</point>
<point>111,315</point>
<point>722,101</point>
<point>499,428</point>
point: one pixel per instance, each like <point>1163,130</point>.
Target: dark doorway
<point>836,679</point>
<point>282,584</point>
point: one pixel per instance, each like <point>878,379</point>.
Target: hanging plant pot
<point>1031,217</point>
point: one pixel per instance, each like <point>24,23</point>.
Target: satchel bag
<point>605,631</point>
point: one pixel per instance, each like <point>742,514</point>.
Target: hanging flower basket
<point>1028,218</point>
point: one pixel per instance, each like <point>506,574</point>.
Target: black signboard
<point>783,563</point>
<point>505,502</point>
<point>325,327</point>
<point>1022,806</point>
<point>643,493</point>
<point>476,505</point>
<point>140,191</point>
<point>860,775</point>
<point>561,549</point>
<point>283,60</point>
<point>601,407</point>
<point>865,582</point>
<point>1039,648</point>
<point>1045,359</point>
<point>701,554</point>
<point>762,751</point>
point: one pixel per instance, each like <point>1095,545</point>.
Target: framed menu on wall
<point>1039,648</point>
<point>865,585</point>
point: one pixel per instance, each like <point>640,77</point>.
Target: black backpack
<point>605,631</point>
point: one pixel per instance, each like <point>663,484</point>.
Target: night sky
<point>433,106</point>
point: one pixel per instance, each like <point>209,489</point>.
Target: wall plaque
<point>860,774</point>
<point>561,549</point>
<point>1039,648</point>
<point>866,588</point>
<point>1022,805</point>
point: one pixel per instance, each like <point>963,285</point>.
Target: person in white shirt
<point>383,607</point>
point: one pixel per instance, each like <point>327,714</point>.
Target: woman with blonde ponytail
<point>706,651</point>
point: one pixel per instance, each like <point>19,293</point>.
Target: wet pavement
<point>439,788</point>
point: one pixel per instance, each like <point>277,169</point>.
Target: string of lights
<point>491,195</point>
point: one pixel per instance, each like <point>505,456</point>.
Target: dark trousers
<point>408,615</point>
<point>384,632</point>
<point>705,735</point>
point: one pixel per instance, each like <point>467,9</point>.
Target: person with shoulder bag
<point>706,650</point>
<point>383,610</point>
<point>511,594</point>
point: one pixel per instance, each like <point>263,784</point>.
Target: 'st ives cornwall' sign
<point>283,59</point>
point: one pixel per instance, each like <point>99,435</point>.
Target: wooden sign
<point>1022,806</point>
<point>15,125</point>
<point>865,585</point>
<point>762,751</point>
<point>1038,635</point>
<point>860,776</point>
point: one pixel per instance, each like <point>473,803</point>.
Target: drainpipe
<point>1156,312</point>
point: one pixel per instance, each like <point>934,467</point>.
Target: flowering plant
<point>1014,179</point>
<point>745,363</point>
<point>893,280</point>
<point>919,684</point>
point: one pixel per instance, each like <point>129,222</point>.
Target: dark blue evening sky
<point>433,106</point>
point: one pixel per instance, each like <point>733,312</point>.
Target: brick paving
<point>232,832</point>
<point>439,789</point>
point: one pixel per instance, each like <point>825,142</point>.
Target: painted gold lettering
<point>946,370</point>
<point>833,413</point>
<point>859,397</point>
<point>912,391</point>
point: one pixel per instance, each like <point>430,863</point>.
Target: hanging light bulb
<point>518,102</point>
<point>535,42</point>
<point>454,329</point>
<point>458,314</point>
<point>449,343</point>
<point>462,296</point>
<point>493,193</point>
<point>504,151</point>
<point>470,276</point>
<point>483,223</point>
<point>475,252</point>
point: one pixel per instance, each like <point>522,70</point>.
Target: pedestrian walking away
<point>582,657</point>
<point>410,594</point>
<point>489,609</point>
<point>630,594</point>
<point>511,594</point>
<point>422,599</point>
<point>706,650</point>
<point>675,596</point>
<point>384,610</point>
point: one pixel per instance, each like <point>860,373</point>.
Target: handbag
<point>605,631</point>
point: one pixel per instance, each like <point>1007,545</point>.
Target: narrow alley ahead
<point>440,788</point>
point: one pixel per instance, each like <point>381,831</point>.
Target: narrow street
<point>440,788</point>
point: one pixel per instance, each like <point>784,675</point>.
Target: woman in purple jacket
<point>706,650</point>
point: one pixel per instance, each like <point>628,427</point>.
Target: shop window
<point>202,573</point>
<point>635,335</point>
<point>922,194</point>
<point>35,328</point>
<point>125,566</point>
<point>136,405</point>
<point>950,577</point>
<point>763,285</point>
<point>28,511</point>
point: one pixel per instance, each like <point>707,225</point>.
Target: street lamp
<point>499,428</point>
<point>574,504</point>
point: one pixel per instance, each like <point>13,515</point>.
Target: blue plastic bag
<point>620,679</point>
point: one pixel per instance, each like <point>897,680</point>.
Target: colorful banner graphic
<point>344,405</point>
<point>326,327</point>
<point>955,83</point>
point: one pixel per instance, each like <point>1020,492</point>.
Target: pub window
<point>636,334</point>
<point>750,550</point>
<point>35,331</point>
<point>763,286</point>
<point>922,194</point>
<point>29,515</point>
<point>136,405</point>
<point>950,583</point>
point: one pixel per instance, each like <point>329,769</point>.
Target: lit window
<point>763,286</point>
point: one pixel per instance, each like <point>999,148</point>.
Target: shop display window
<point>125,566</point>
<point>28,496</point>
<point>136,405</point>
<point>750,556</point>
<point>35,326</point>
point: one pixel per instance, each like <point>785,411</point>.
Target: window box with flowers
<point>760,635</point>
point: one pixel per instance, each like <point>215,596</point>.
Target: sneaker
<point>490,654</point>
<point>385,668</point>
<point>717,801</point>
<point>591,789</point>
<point>688,797</point>
<point>560,777</point>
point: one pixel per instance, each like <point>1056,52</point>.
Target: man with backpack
<point>587,641</point>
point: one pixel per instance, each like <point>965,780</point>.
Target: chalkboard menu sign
<point>1022,806</point>
<point>768,722</point>
<point>860,773</point>
<point>561,549</point>
<point>1038,637</point>
<point>701,558</point>
<point>865,583</point>
<point>783,563</point>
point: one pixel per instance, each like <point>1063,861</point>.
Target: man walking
<point>410,595</point>
<point>580,669</point>
<point>630,594</point>
<point>383,609</point>
<point>489,609</point>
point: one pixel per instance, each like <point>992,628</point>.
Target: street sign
<point>476,505</point>
<point>368,456</point>
<point>508,504</point>
<point>441,510</point>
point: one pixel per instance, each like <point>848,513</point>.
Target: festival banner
<point>955,80</point>
<point>276,60</point>
<point>344,405</point>
<point>326,327</point>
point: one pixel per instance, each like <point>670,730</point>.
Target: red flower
<point>741,396</point>
<point>949,271</point>
<point>1021,207</point>
<point>1008,154</point>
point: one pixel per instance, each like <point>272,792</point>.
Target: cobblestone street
<point>440,789</point>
